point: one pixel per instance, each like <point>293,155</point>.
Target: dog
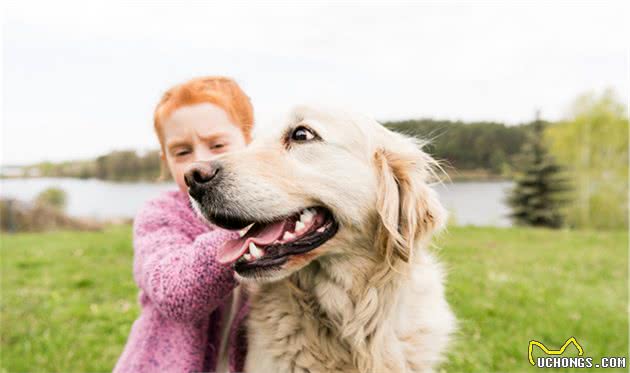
<point>339,214</point>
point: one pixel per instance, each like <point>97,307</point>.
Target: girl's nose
<point>203,153</point>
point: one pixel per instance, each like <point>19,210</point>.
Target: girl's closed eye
<point>181,152</point>
<point>220,147</point>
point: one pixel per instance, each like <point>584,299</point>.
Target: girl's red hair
<point>218,90</point>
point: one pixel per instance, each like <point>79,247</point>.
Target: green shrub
<point>53,197</point>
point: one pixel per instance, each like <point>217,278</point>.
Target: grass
<point>68,298</point>
<point>509,286</point>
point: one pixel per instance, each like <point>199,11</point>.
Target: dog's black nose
<point>200,176</point>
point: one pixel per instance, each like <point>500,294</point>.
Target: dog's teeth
<point>255,251</point>
<point>248,257</point>
<point>306,216</point>
<point>299,226</point>
<point>288,236</point>
<point>321,229</point>
<point>243,231</point>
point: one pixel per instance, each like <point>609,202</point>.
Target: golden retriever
<point>339,213</point>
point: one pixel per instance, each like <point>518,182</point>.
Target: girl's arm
<point>179,273</point>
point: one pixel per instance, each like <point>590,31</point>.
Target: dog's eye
<point>302,133</point>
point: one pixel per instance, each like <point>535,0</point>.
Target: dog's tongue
<point>261,235</point>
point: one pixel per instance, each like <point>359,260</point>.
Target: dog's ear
<point>408,208</point>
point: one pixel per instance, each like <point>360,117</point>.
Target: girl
<point>192,310</point>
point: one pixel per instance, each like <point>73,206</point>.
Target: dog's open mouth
<point>270,244</point>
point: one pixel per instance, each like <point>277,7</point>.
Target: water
<point>89,198</point>
<point>477,203</point>
<point>470,203</point>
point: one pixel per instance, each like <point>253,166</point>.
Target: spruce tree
<point>540,191</point>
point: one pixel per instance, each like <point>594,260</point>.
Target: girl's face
<point>197,133</point>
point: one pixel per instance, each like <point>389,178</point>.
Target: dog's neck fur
<point>337,295</point>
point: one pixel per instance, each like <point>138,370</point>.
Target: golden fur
<point>371,298</point>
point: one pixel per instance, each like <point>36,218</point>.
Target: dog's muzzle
<point>201,177</point>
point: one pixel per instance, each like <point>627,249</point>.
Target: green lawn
<point>68,299</point>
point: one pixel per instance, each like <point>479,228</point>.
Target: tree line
<point>123,165</point>
<point>488,146</point>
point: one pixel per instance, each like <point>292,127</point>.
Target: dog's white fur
<point>371,298</point>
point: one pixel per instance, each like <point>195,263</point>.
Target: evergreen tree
<point>540,191</point>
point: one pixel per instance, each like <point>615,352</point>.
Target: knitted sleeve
<point>175,261</point>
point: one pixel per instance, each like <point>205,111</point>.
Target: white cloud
<point>81,78</point>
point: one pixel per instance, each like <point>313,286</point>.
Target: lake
<point>470,203</point>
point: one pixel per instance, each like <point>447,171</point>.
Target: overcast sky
<point>82,78</point>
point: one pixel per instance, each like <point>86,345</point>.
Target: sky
<point>80,79</point>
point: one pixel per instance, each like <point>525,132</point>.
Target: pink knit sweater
<point>182,293</point>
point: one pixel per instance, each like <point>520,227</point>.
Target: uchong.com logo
<point>556,360</point>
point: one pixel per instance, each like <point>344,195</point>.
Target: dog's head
<point>325,183</point>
